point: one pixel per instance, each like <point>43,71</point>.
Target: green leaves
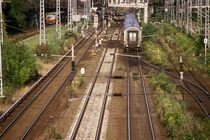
<point>18,64</point>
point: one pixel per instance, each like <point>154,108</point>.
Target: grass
<point>54,133</point>
<point>120,68</point>
<point>175,113</point>
<point>135,76</point>
<point>33,41</point>
<point>170,44</point>
<point>71,89</point>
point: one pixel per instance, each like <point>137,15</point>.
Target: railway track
<point>96,99</point>
<point>200,94</point>
<point>140,115</point>
<point>128,101</point>
<point>146,100</point>
<point>24,114</point>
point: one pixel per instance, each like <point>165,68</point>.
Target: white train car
<point>132,33</point>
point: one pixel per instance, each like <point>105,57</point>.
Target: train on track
<point>132,33</point>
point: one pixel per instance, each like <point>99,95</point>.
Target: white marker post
<point>72,54</point>
<point>181,68</point>
<point>206,44</point>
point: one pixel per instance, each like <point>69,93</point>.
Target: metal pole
<point>1,43</point>
<point>206,28</point>
<point>200,15</point>
<point>42,23</point>
<point>69,24</point>
<point>85,12</point>
<point>58,19</point>
<point>188,13</point>
<point>75,12</point>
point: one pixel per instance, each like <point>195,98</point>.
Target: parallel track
<point>76,128</point>
<point>85,105</point>
<point>61,64</point>
<point>128,101</point>
<point>146,100</point>
<point>97,137</point>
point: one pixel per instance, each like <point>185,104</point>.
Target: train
<point>51,18</point>
<point>132,33</point>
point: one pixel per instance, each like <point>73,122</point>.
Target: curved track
<point>195,93</point>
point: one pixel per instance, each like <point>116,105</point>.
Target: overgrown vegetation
<point>19,66</point>
<point>76,84</point>
<point>171,43</point>
<point>135,76</point>
<point>19,63</point>
<point>175,113</point>
<point>54,133</point>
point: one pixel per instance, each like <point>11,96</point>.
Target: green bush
<point>149,29</point>
<point>70,34</point>
<point>19,65</point>
<point>175,115</point>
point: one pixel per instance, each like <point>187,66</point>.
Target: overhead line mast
<point>58,19</point>
<point>1,43</point>
<point>75,13</point>
<point>69,24</point>
<point>184,9</point>
<point>42,23</point>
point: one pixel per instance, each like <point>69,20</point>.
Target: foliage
<point>71,89</point>
<point>70,34</point>
<point>156,55</point>
<point>80,79</point>
<point>174,113</point>
<point>135,76</point>
<point>149,29</point>
<point>173,43</point>
<point>42,49</point>
<point>19,64</point>
<point>54,133</point>
<point>21,12</point>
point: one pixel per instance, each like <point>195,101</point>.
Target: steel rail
<point>76,128</point>
<point>11,109</point>
<point>205,112</point>
<point>146,100</point>
<point>196,98</point>
<point>54,94</point>
<point>38,93</point>
<point>105,99</point>
<point>128,99</point>
<point>205,91</point>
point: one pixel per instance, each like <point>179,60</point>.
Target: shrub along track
<point>196,88</point>
<point>39,96</point>
<point>192,84</point>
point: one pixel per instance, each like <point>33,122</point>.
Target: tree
<point>21,12</point>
